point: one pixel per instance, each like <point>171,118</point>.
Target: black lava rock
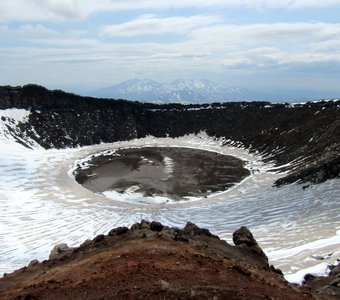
<point>118,231</point>
<point>156,226</point>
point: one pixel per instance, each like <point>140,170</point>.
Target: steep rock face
<point>305,134</point>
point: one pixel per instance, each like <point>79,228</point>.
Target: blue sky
<point>286,46</point>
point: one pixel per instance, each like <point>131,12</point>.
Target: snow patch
<point>169,166</point>
<point>9,131</point>
<point>317,270</point>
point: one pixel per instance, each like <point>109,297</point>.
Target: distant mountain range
<point>178,91</point>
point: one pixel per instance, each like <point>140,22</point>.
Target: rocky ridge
<point>303,137</point>
<point>153,261</point>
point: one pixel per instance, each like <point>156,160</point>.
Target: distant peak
<point>137,80</point>
<point>179,91</point>
<point>192,83</point>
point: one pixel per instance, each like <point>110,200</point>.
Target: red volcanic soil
<point>150,261</point>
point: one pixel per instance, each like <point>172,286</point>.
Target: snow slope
<point>41,205</point>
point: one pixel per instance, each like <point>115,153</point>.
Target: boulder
<point>156,226</point>
<point>99,238</point>
<point>142,225</point>
<point>335,270</point>
<point>118,231</point>
<point>34,262</point>
<point>60,250</point>
<point>192,229</point>
<point>243,236</point>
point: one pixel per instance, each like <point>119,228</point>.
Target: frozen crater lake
<point>163,173</point>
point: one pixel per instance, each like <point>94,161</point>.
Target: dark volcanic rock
<point>335,270</point>
<point>156,226</point>
<point>34,262</point>
<point>307,135</point>
<point>118,231</point>
<point>243,236</point>
<point>192,229</point>
<point>99,238</point>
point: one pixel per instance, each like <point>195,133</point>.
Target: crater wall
<point>306,136</point>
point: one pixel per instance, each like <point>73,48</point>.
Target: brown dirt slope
<point>151,261</point>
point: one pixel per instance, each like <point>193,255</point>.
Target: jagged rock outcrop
<point>150,261</point>
<point>307,135</point>
<point>244,238</point>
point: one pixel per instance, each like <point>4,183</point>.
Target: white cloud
<point>28,31</point>
<point>68,42</point>
<point>312,3</point>
<point>272,58</point>
<point>270,45</point>
<point>151,25</point>
<point>73,10</point>
<point>35,31</point>
<point>207,45</point>
<point>327,46</point>
<point>47,10</point>
<point>223,42</point>
<point>243,46</point>
<point>289,34</point>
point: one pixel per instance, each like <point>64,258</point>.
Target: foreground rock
<point>152,261</point>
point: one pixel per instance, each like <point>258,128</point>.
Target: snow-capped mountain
<point>178,91</point>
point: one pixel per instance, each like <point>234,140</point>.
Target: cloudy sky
<point>271,45</point>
